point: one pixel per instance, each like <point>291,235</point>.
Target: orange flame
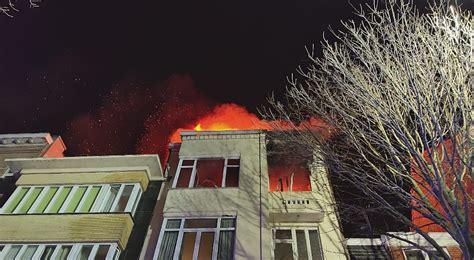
<point>224,117</point>
<point>235,117</point>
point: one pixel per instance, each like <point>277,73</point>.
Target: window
<point>208,173</point>
<point>296,243</point>
<point>197,238</point>
<point>74,199</point>
<point>60,252</point>
<point>417,254</point>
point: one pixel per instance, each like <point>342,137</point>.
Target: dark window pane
<point>102,252</point>
<point>205,245</point>
<point>168,245</point>
<point>283,234</point>
<point>226,245</point>
<point>301,245</point>
<point>283,251</point>
<point>435,255</point>
<point>48,252</point>
<point>209,173</point>
<point>122,203</point>
<point>233,161</point>
<point>200,223</point>
<point>232,177</point>
<point>315,244</point>
<point>188,163</point>
<point>114,189</point>
<point>187,246</point>
<point>184,177</point>
<point>173,223</point>
<point>414,255</point>
<point>85,252</point>
<point>64,252</point>
<point>227,222</point>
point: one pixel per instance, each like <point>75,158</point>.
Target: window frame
<point>112,253</point>
<point>181,230</point>
<point>97,206</point>
<point>426,256</point>
<point>293,240</point>
<point>192,178</point>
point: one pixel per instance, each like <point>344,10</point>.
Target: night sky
<point>115,77</point>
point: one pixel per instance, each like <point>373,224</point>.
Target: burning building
<point>223,194</point>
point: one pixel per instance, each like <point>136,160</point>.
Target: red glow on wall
<point>288,178</point>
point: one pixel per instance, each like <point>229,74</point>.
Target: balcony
<point>62,228</point>
<point>294,207</point>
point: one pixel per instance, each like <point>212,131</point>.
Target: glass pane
<point>168,245</point>
<point>435,255</point>
<point>122,203</point>
<point>16,200</point>
<point>205,245</point>
<point>188,163</point>
<point>233,162</point>
<point>45,200</point>
<point>227,222</point>
<point>11,254</point>
<point>283,251</point>
<point>90,198</point>
<point>184,177</point>
<point>209,173</point>
<point>61,197</point>
<point>226,245</point>
<point>111,197</point>
<point>30,200</point>
<point>85,252</point>
<point>76,198</point>
<point>187,246</point>
<point>29,252</point>
<point>232,177</point>
<point>283,234</point>
<point>414,255</point>
<point>315,245</point>
<point>64,252</point>
<point>102,252</point>
<point>173,223</point>
<point>200,223</point>
<point>48,252</point>
<point>301,245</point>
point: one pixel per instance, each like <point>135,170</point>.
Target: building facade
<point>222,201</point>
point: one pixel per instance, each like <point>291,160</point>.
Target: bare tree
<point>10,7</point>
<point>396,87</point>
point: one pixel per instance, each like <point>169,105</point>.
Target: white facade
<point>305,223</point>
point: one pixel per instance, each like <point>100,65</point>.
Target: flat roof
<point>149,162</point>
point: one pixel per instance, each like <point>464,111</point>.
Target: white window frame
<point>181,230</point>
<point>194,169</point>
<point>426,256</point>
<point>75,250</point>
<point>293,240</point>
<point>97,206</point>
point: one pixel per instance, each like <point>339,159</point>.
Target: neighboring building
<point>228,197</point>
<point>388,247</point>
<point>27,145</point>
<point>95,207</point>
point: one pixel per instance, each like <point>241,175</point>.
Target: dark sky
<point>103,74</point>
